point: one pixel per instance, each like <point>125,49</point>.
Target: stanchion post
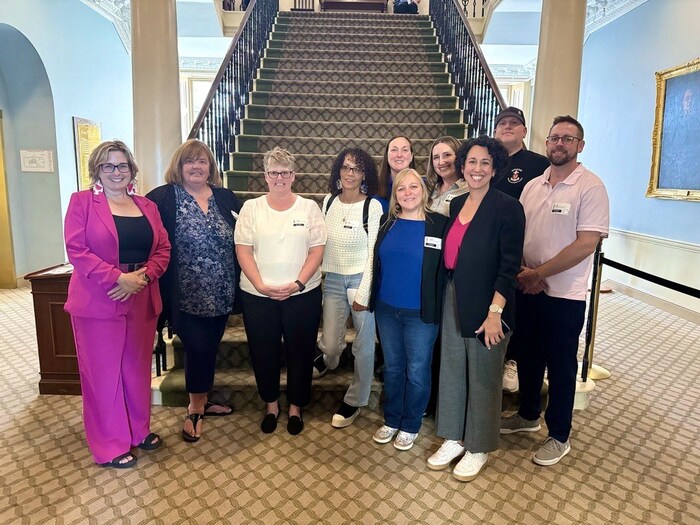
<point>587,367</point>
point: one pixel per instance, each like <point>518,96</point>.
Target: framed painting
<point>675,161</point>
<point>87,135</point>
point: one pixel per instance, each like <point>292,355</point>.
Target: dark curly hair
<point>499,154</point>
<point>362,160</point>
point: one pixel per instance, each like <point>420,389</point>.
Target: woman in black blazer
<point>482,249</point>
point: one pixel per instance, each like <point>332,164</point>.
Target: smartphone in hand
<point>482,336</point>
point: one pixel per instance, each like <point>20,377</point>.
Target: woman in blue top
<point>406,298</point>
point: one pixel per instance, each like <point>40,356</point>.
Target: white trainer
<point>470,465</point>
<point>404,440</point>
<point>384,434</point>
<point>449,451</point>
<point>510,376</point>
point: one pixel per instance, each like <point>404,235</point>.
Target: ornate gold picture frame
<point>675,160</point>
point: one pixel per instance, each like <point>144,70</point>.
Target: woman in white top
<point>443,180</point>
<point>279,241</point>
<point>352,221</point>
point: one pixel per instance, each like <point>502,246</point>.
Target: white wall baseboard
<point>673,260</point>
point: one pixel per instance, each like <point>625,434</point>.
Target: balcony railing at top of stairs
<point>479,96</point>
<point>219,121</point>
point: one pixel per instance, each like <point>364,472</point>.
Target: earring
<point>131,188</point>
<point>339,184</point>
<point>363,187</point>
<point>97,188</point>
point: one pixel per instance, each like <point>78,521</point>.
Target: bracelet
<point>300,285</point>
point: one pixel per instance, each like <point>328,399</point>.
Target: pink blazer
<point>93,249</point>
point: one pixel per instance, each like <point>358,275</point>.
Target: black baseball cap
<point>511,112</point>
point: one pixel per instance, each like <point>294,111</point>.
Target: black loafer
<point>269,423</point>
<point>295,425</point>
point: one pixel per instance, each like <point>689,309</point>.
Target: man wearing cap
<point>566,214</point>
<point>523,166</point>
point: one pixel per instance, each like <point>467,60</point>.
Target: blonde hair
<point>191,149</point>
<point>394,206</point>
<point>279,156</point>
<point>99,156</point>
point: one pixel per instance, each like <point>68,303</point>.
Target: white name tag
<point>449,197</point>
<point>298,222</point>
<point>433,242</point>
<point>351,225</point>
<point>561,208</point>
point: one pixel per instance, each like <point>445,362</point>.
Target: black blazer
<point>489,258</point>
<point>164,197</point>
<point>433,273</point>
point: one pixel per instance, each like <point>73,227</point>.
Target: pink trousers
<point>114,358</point>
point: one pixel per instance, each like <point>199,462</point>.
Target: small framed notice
<point>36,160</point>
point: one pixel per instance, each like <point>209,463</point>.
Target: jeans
<point>408,351</point>
<point>336,310</point>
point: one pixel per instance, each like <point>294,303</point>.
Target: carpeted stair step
<point>342,30</point>
<point>398,40</point>
<point>334,76</point>
<point>358,115</point>
<point>330,56</point>
<point>350,17</point>
<point>354,68</point>
<point>374,23</point>
<point>353,88</point>
<point>383,130</point>
<point>320,164</point>
<point>311,145</point>
<point>358,48</point>
<point>360,100</point>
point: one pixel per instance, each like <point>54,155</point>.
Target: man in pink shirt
<point>567,213</point>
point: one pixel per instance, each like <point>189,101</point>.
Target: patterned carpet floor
<point>635,455</point>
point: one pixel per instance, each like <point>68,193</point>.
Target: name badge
<point>299,222</point>
<point>561,208</point>
<point>433,242</point>
<point>350,225</point>
<point>449,197</point>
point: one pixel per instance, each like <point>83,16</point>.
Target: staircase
<point>328,81</point>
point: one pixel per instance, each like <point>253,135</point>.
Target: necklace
<point>348,210</point>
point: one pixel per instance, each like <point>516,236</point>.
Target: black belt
<point>130,267</point>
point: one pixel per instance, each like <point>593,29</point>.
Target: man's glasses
<point>566,139</point>
<point>351,169</point>
<point>109,168</point>
<point>278,174</point>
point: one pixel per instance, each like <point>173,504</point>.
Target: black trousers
<point>201,337</point>
<point>267,322</point>
<point>548,329</point>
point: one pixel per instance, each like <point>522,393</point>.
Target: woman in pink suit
<point>119,248</point>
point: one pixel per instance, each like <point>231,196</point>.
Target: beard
<point>560,160</point>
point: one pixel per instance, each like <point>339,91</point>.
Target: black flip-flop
<point>217,414</point>
<point>115,463</point>
<point>195,418</point>
<point>151,442</point>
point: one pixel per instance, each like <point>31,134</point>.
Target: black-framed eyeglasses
<point>566,139</point>
<point>351,169</point>
<point>109,167</point>
<point>277,174</point>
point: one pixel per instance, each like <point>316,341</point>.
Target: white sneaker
<point>510,376</point>
<point>470,465</point>
<point>449,450</point>
<point>404,440</point>
<point>384,434</point>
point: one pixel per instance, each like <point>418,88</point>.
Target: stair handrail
<point>219,121</point>
<point>477,91</point>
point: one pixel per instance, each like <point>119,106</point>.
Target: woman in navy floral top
<point>199,289</point>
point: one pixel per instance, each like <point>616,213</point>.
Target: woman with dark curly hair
<point>483,245</point>
<point>398,155</point>
<point>352,223</point>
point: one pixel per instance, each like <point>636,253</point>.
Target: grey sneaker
<point>384,434</point>
<point>515,423</point>
<point>551,452</point>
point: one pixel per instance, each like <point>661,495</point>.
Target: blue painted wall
<point>617,104</point>
<point>89,76</point>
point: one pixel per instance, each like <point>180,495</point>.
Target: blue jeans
<point>407,343</point>
<point>336,310</point>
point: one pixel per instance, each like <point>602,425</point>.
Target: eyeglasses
<point>278,174</point>
<point>566,139</point>
<point>351,169</point>
<point>109,168</point>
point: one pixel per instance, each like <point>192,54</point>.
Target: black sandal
<point>116,462</point>
<point>195,418</point>
<point>151,442</point>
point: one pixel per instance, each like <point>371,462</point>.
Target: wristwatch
<point>495,309</point>
<point>300,285</point>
